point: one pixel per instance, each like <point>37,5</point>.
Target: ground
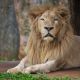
<point>4,65</point>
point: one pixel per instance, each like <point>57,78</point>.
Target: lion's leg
<point>45,67</point>
<point>23,63</point>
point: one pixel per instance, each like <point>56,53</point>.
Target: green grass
<point>19,76</point>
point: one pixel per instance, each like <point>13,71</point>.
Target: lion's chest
<point>43,54</point>
<point>48,55</point>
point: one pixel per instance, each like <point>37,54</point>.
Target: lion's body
<point>60,46</point>
<point>68,49</point>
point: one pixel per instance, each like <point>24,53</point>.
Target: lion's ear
<point>36,11</point>
<point>33,14</point>
<point>64,12</point>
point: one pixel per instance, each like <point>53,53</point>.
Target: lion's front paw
<point>42,68</point>
<point>13,70</point>
<point>31,69</point>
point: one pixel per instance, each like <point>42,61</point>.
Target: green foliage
<point>19,76</point>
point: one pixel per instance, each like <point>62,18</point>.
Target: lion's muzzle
<point>48,35</point>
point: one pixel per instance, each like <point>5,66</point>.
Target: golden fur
<point>63,48</point>
<point>41,50</point>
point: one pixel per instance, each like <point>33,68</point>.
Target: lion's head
<point>50,22</point>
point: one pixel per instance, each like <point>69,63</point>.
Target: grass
<point>19,76</point>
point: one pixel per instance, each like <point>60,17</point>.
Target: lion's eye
<point>55,19</point>
<point>42,19</point>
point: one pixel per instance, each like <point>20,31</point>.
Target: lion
<point>52,44</point>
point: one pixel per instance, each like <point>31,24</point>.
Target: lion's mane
<point>39,51</point>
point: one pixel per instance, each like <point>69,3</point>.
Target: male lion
<point>52,44</point>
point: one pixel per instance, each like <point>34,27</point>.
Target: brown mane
<point>40,51</point>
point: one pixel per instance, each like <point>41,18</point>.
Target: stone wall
<point>9,33</point>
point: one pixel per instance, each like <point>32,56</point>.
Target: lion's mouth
<point>49,35</point>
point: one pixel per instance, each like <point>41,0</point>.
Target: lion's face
<point>51,23</point>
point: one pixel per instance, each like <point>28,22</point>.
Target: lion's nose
<point>48,28</point>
